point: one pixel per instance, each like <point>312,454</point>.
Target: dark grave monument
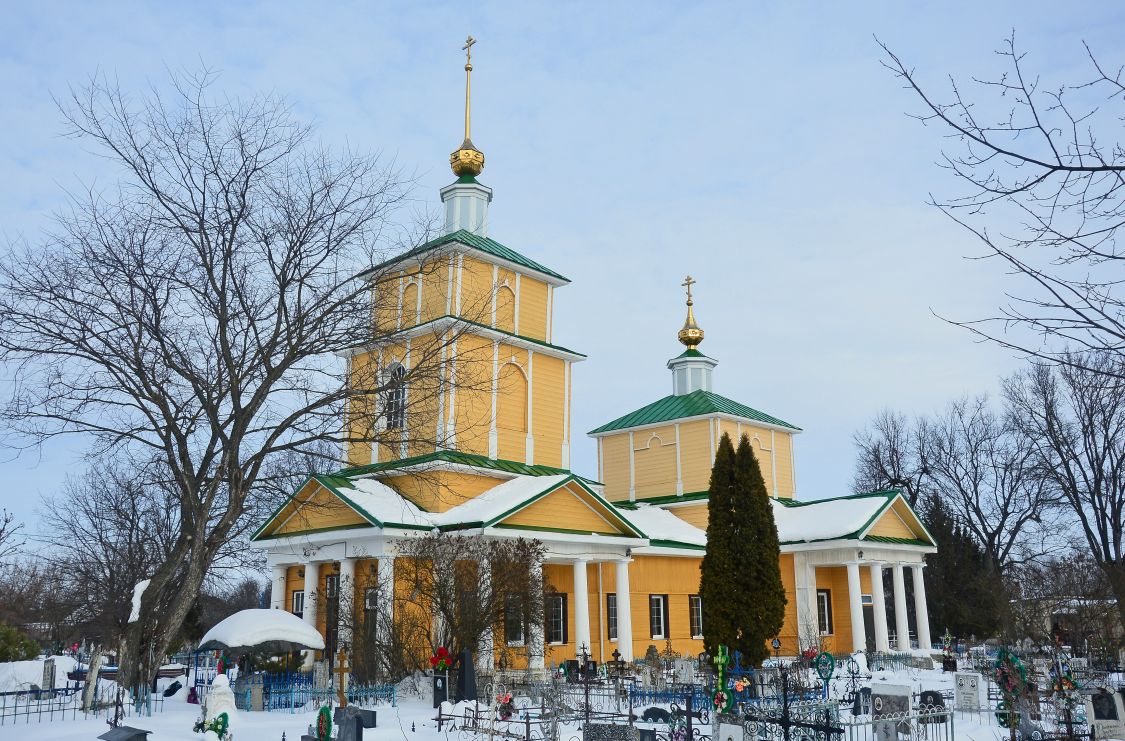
<point>173,688</point>
<point>351,721</point>
<point>466,677</point>
<point>441,688</point>
<point>125,733</point>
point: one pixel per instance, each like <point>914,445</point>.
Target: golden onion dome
<point>691,335</point>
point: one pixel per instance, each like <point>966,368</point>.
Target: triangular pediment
<point>897,522</point>
<point>318,505</point>
<point>570,507</point>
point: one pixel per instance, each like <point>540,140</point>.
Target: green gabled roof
<point>695,404</point>
<point>486,245</point>
<point>689,497</point>
<point>454,456</point>
<point>896,541</point>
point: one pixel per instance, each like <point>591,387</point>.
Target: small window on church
<point>396,399</point>
<point>513,620</point>
<point>299,603</point>
<point>824,611</point>
<point>370,598</point>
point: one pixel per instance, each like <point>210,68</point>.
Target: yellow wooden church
<point>624,550</point>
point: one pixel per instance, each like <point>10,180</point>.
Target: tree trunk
<point>1115,575</point>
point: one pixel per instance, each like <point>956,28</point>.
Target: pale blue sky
<point>759,147</point>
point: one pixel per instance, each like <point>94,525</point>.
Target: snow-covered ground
<point>20,675</point>
<point>412,719</point>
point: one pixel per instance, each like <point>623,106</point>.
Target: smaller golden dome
<point>691,335</point>
<point>467,160</point>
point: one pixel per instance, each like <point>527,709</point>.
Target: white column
<point>487,654</point>
<point>879,607</point>
<point>346,616</point>
<point>277,587</point>
<point>902,624</point>
<point>537,651</point>
<point>312,580</point>
<point>804,581</point>
<point>921,611</point>
<point>855,603</point>
<point>386,594</point>
<point>581,607</point>
<point>624,611</point>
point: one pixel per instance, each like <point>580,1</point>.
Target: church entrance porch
<point>841,604</point>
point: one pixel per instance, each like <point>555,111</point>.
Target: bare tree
<point>11,539</point>
<point>1043,168</point>
<point>988,475</point>
<point>474,587</point>
<point>982,469</point>
<point>891,454</point>
<point>1074,414</point>
<point>192,314</point>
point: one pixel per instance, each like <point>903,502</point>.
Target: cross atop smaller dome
<point>691,335</point>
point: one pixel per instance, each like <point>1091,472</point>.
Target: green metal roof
<point>695,404</point>
<point>484,244</point>
<point>454,456</point>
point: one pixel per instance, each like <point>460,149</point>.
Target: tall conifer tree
<point>758,569</point>
<point>717,588</point>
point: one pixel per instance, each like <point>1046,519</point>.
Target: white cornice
<point>445,322</point>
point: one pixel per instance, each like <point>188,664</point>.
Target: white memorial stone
<point>220,699</point>
<point>730,732</point>
<point>1106,715</point>
<point>966,691</point>
<point>685,671</point>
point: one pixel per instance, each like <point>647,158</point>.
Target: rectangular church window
<point>299,603</point>
<point>658,616</point>
<point>370,598</point>
<point>513,620</point>
<point>556,618</point>
<point>611,616</point>
<point>695,612</point>
<point>824,611</point>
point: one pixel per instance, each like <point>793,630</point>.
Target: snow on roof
<point>254,627</point>
<point>385,504</point>
<point>498,500</point>
<point>824,520</point>
<point>660,524</point>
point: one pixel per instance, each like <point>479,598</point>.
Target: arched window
<point>511,407</point>
<point>396,399</point>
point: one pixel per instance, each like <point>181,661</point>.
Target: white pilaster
<point>347,602</point>
<point>277,587</point>
<point>879,607</point>
<point>486,656</point>
<point>855,605</point>
<point>312,580</point>
<point>624,611</point>
<point>537,651</point>
<point>493,438</point>
<point>921,610</point>
<point>902,623</point>
<point>529,444</point>
<point>386,601</point>
<point>581,607</point>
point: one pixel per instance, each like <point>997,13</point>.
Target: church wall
<point>471,409</point>
<point>890,525</point>
<point>533,308</point>
<point>694,514</point>
<point>696,458</point>
<point>511,404</point>
<point>674,576</point>
<point>789,633</point>
<point>654,462</point>
<point>435,278</point>
<point>562,509</point>
<point>783,453</point>
<point>549,397</point>
<point>438,491</point>
<point>835,578</point>
<point>615,466</point>
<point>361,412</point>
<point>476,290</point>
<point>505,300</point>
<point>561,577</point>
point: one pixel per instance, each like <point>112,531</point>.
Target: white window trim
<point>658,599</point>
<point>695,598</point>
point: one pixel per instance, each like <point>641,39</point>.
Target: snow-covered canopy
<point>273,629</point>
<point>826,519</point>
<point>660,524</point>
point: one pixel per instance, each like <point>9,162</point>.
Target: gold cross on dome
<point>468,49</point>
<point>688,282</point>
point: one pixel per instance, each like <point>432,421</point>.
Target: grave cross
<point>342,670</point>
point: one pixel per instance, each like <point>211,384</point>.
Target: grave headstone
<point>441,688</point>
<point>48,679</point>
<point>966,691</point>
<point>610,732</point>
<point>173,688</point>
<point>684,671</point>
<point>861,702</point>
<point>887,702</point>
<point>321,677</point>
<point>1106,715</point>
<point>729,728</point>
<point>932,703</point>
<point>351,721</point>
<point>257,693</point>
<point>570,668</point>
<point>466,677</point>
